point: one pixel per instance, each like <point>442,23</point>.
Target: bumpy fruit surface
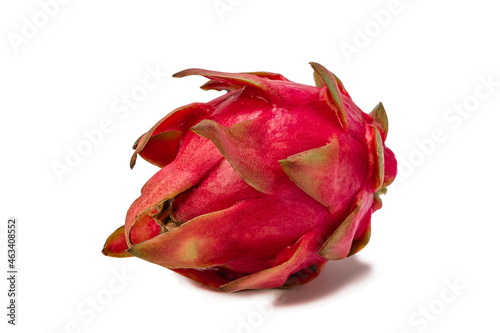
<point>260,187</point>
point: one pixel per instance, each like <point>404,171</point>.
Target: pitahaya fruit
<point>260,187</point>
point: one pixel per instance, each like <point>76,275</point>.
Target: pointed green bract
<point>137,141</point>
<point>379,158</point>
<point>341,85</point>
<point>269,75</point>
<point>217,85</point>
<point>325,76</point>
<point>377,202</point>
<point>277,276</point>
<point>338,246</point>
<point>238,79</point>
<point>331,174</point>
<point>318,81</point>
<point>307,169</point>
<point>380,117</point>
<point>162,148</point>
<point>360,243</point>
<point>171,123</point>
<point>234,145</point>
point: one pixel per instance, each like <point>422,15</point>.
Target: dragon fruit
<point>260,187</point>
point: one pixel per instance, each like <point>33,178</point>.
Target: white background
<point>439,225</point>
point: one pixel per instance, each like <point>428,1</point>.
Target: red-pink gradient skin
<point>260,187</point>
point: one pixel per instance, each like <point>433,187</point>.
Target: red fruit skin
<point>260,187</point>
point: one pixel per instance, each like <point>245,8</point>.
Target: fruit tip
<point>180,74</point>
<point>133,160</point>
